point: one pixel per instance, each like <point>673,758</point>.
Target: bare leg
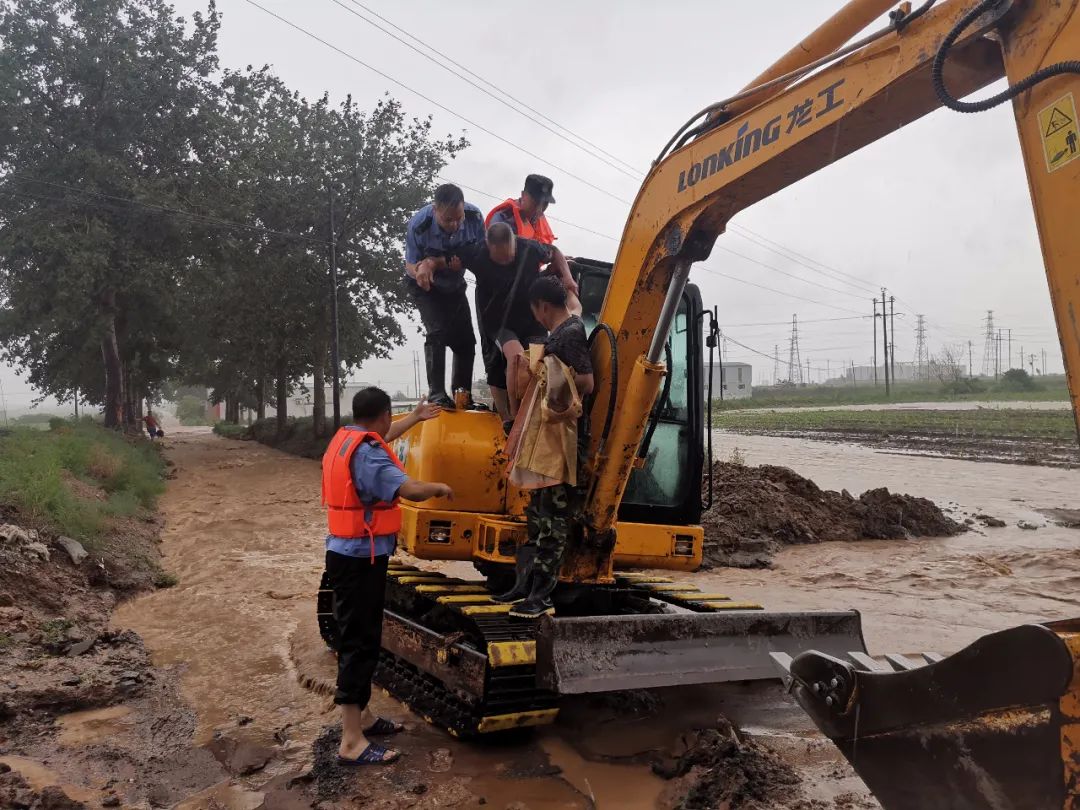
<point>502,402</point>
<point>353,723</point>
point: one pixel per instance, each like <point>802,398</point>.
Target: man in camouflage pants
<point>553,511</point>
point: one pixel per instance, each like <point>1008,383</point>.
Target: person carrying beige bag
<point>545,448</point>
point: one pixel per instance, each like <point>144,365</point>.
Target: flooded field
<point>243,535</point>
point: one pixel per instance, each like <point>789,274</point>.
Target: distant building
<point>731,381</point>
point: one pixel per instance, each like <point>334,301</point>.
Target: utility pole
<point>988,364</point>
<point>854,383</point>
<point>892,330</point>
<point>76,402</point>
<point>1044,361</point>
<point>1010,351</point>
<point>335,356</point>
<point>776,363</point>
<point>809,379</point>
<point>920,347</point>
<point>997,355</point>
<point>1031,363</point>
<point>969,359</point>
<point>794,361</point>
<point>885,340</point>
<point>873,323</point>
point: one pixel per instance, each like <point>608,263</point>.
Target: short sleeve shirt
<point>568,342</point>
<point>495,283</point>
<point>424,238</point>
<point>376,478</point>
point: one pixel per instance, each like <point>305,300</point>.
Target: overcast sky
<point>939,212</point>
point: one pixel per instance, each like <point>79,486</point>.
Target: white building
<point>731,381</point>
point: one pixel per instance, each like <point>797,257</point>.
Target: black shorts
<point>492,343</point>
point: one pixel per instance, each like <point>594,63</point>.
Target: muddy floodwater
<point>243,535</point>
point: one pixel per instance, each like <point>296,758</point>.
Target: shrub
<point>1016,379</point>
<point>191,411</point>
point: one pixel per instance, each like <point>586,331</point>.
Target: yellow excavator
<point>996,725</point>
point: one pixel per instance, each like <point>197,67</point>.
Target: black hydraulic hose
<point>937,70</point>
<point>609,418</point>
<point>660,405</point>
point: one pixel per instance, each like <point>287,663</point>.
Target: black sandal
<point>383,727</point>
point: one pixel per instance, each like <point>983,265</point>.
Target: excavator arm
<point>814,107</point>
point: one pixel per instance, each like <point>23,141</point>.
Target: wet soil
<point>236,641</point>
<point>759,509</point>
<point>1002,450</point>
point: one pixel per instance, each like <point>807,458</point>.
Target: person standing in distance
<point>362,481</point>
<point>434,240</point>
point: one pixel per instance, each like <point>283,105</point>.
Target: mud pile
<point>756,510</point>
<point>720,769</point>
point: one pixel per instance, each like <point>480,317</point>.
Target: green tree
<point>104,112</point>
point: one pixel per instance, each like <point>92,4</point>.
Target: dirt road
<point>243,535</point>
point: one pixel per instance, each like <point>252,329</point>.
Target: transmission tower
<point>776,363</point>
<point>794,361</point>
<point>921,355</point>
<point>989,346</point>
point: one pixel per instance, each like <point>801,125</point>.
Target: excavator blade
<point>576,655</point>
<point>997,725</point>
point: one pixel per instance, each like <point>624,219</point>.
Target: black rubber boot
<point>435,360</point>
<point>461,375</point>
<point>533,609</point>
<point>523,566</point>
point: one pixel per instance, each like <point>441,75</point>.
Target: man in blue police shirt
<point>434,240</point>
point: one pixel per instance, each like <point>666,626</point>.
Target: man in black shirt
<point>504,266</point>
<point>552,510</point>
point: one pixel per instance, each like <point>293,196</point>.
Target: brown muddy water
<point>243,535</point>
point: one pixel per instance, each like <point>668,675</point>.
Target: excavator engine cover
<point>995,726</point>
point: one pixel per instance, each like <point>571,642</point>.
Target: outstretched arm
<point>421,413</point>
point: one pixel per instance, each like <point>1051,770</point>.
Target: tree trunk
<point>260,398</point>
<point>282,390</point>
<point>318,405</point>
<point>114,373</point>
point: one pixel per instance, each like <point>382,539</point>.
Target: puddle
<point>94,725</point>
<point>607,785</point>
<point>39,776</point>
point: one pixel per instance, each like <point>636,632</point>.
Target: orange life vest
<point>541,231</point>
<point>345,513</point>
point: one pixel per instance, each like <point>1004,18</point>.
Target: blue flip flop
<point>374,754</point>
<point>383,727</point>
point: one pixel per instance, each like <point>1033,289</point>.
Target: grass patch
<point>5,641</point>
<point>1043,389</point>
<point>163,579</point>
<point>231,431</point>
<point>299,436</point>
<point>36,468</point>
<point>982,423</point>
<point>54,632</point>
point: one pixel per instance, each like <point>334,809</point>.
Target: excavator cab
<point>667,488</point>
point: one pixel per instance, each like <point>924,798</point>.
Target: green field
<point>1057,425</point>
<point>1049,388</point>
<point>75,478</point>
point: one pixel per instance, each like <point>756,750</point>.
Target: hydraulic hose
<point>610,416</point>
<point>937,70</point>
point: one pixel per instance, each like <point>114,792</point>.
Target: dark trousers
<point>359,587</point>
<point>446,317</point>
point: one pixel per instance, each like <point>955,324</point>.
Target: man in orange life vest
<point>362,481</point>
<point>526,214</point>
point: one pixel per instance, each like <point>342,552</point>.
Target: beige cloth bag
<point>542,446</point>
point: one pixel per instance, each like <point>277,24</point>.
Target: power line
<point>432,101</point>
<point>426,53</point>
<point>778,292</point>
<point>789,275</point>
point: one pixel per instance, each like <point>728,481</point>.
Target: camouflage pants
<point>550,516</point>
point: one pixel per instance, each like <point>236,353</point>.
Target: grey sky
<point>939,212</point>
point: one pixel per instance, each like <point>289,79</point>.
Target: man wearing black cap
<point>526,214</point>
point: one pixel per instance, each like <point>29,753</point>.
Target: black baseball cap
<point>539,187</point>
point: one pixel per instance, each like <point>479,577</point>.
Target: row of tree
<point>163,218</point>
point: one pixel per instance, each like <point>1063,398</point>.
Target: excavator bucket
<point>576,655</point>
<point>997,725</point>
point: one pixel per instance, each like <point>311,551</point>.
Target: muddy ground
<point>1001,450</point>
<point>221,714</point>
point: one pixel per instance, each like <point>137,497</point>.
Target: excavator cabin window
<point>667,489</point>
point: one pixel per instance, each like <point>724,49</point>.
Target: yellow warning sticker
<point>1060,132</point>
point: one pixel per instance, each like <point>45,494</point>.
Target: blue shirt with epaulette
<point>376,478</point>
<point>424,237</point>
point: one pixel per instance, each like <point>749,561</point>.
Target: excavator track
<point>458,659</point>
